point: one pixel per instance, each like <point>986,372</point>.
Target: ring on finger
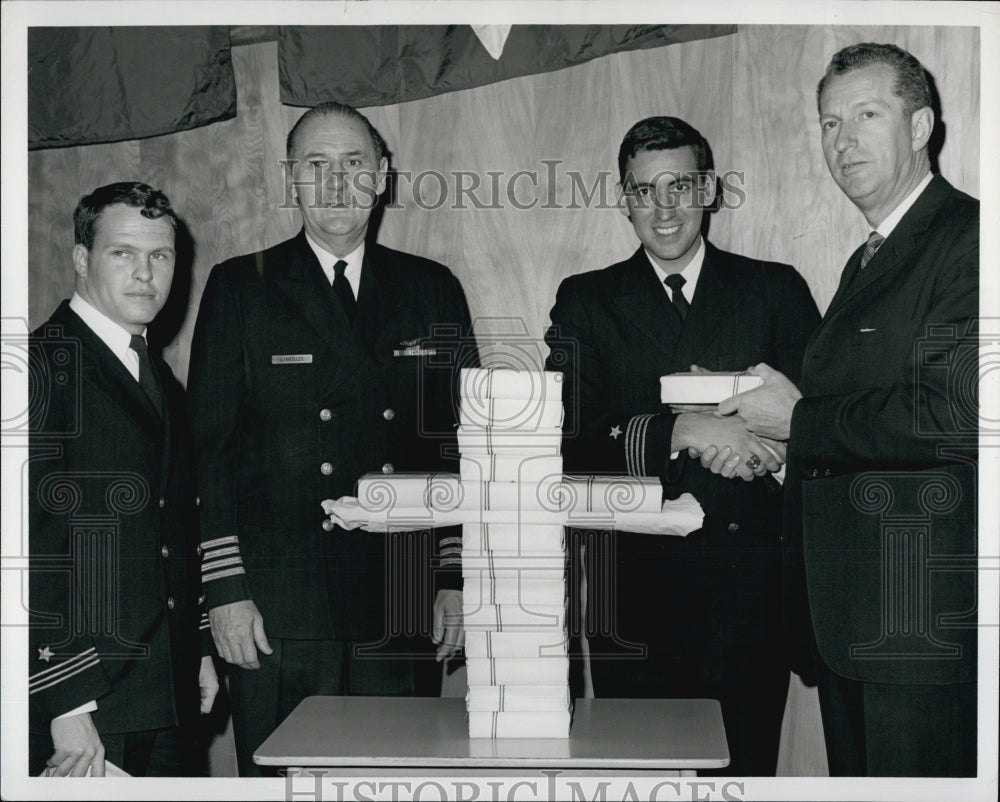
<point>753,462</point>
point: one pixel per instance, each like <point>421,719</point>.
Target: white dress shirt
<point>327,260</point>
<point>111,334</point>
<point>886,226</point>
<point>690,272</point>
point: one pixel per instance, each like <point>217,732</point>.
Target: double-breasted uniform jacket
<point>113,537</point>
<point>883,451</point>
<point>292,403</point>
<point>614,334</point>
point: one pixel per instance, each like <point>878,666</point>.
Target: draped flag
<point>91,85</point>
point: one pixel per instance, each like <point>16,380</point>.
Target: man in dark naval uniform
<point>116,655</point>
<point>698,616</point>
<point>313,364</point>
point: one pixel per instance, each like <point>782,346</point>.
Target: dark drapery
<point>381,65</point>
<point>90,85</point>
<point>93,85</point>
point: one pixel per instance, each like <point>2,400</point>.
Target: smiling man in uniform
<point>698,616</point>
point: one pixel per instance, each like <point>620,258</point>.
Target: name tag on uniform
<point>412,348</point>
<point>291,359</point>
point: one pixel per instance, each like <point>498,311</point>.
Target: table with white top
<point>386,735</point>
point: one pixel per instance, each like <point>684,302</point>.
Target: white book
<point>446,492</point>
<point>524,698</point>
<point>504,383</point>
<point>519,725</point>
<point>487,440</point>
<point>513,538</point>
<point>543,496</point>
<point>509,468</point>
<point>515,591</point>
<point>390,493</point>
<point>527,414</point>
<point>491,643</point>
<point>517,670</point>
<point>705,388</point>
<point>512,617</point>
<point>498,565</point>
<point>611,494</point>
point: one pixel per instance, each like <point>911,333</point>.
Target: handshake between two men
<point>744,435</point>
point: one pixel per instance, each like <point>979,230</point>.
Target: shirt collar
<point>886,226</point>
<point>110,333</point>
<point>690,272</point>
<point>327,260</point>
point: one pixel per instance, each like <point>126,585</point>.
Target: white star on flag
<point>615,431</point>
<point>45,653</point>
<point>493,38</point>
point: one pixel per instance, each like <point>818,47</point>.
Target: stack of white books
<point>514,563</point>
<point>512,500</point>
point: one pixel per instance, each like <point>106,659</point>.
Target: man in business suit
<point>882,440</point>
<point>116,657</point>
<point>313,364</point>
<point>699,616</point>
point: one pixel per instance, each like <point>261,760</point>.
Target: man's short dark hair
<point>330,108</point>
<point>150,202</point>
<point>911,78</point>
<point>663,133</point>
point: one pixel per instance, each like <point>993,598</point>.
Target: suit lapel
<point>643,306</point>
<point>894,252</point>
<point>166,454</point>
<point>302,281</point>
<point>715,307</point>
<point>377,322</point>
<point>108,376</point>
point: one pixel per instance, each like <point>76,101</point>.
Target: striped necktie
<point>874,241</point>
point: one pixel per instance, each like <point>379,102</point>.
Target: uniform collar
<point>690,272</point>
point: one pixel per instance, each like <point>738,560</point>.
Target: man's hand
<point>449,630</point>
<point>767,409</point>
<point>238,631</point>
<point>78,747</point>
<point>724,445</point>
<point>208,683</point>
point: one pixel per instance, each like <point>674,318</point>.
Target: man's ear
<point>81,258</point>
<point>921,128</point>
<point>380,175</point>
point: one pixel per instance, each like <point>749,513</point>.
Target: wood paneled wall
<point>751,94</point>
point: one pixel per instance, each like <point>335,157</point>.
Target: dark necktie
<point>148,379</point>
<point>342,287</point>
<point>874,241</point>
<point>675,281</point>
